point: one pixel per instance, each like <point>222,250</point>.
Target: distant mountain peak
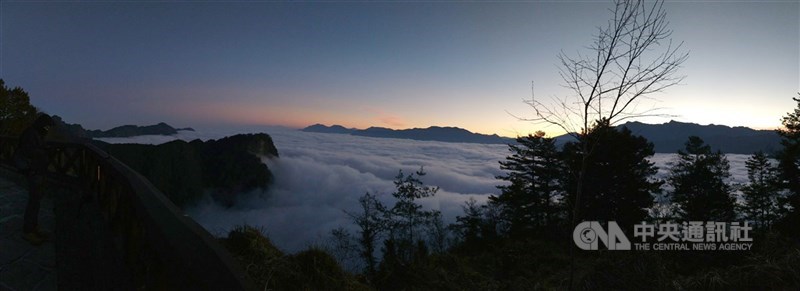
<point>671,136</point>
<point>77,131</point>
<point>667,137</point>
<point>328,129</point>
<point>160,128</point>
<point>432,133</point>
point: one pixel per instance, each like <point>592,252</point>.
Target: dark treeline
<point>16,111</point>
<point>521,238</point>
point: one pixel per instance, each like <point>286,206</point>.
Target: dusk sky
<point>393,64</point>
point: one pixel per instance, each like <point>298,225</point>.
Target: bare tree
<point>631,57</point>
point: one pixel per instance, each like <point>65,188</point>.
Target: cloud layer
<point>320,175</point>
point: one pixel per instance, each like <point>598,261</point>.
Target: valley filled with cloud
<point>320,175</point>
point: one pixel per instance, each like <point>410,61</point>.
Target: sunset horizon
<point>395,65</point>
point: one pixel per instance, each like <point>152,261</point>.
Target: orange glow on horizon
<point>294,117</point>
<point>300,117</point>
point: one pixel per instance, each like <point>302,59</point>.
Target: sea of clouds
<point>319,176</point>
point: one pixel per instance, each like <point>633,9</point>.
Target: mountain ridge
<point>671,136</point>
<point>432,133</point>
<point>667,137</point>
<point>160,128</point>
<point>77,130</point>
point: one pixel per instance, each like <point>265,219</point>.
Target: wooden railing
<point>161,247</point>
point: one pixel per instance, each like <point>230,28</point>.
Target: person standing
<point>31,159</point>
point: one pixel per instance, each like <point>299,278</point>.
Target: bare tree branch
<point>630,58</point>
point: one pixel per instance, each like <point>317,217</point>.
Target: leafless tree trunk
<point>630,58</point>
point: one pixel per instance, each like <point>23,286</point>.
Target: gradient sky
<point>394,64</point>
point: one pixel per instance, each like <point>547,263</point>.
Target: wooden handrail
<point>162,248</point>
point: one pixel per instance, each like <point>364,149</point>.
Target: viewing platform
<point>79,251</point>
<point>110,229</point>
<point>22,265</point>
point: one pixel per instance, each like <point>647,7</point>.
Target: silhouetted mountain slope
<point>68,131</point>
<point>77,131</point>
<point>668,137</point>
<point>135,130</point>
<point>433,133</point>
<point>329,129</point>
<point>184,170</point>
<point>671,136</point>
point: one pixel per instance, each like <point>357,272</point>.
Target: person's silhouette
<point>31,159</point>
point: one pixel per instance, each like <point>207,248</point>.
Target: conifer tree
<point>761,194</point>
<point>530,203</point>
<point>620,181</point>
<point>698,178</point>
<point>474,228</point>
<point>406,220</point>
<point>789,165</point>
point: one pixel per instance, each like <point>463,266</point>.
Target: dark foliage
<point>371,225</point>
<point>406,221</point>
<point>478,227</point>
<point>700,190</point>
<point>789,167</point>
<point>619,182</point>
<point>16,111</point>
<point>271,269</point>
<point>762,193</point>
<point>531,205</point>
<point>410,229</point>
